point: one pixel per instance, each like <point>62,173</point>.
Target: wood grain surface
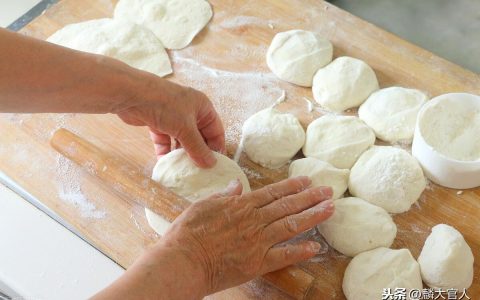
<point>227,62</point>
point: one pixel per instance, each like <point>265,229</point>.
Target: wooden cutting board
<point>227,62</point>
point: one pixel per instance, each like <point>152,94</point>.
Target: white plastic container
<point>438,167</point>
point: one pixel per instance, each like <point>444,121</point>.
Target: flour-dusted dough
<point>388,177</point>
<point>392,112</point>
<point>271,138</point>
<point>321,173</point>
<point>451,125</point>
<point>174,22</point>
<point>125,41</point>
<point>357,226</point>
<point>446,260</point>
<point>370,272</point>
<point>345,83</point>
<point>339,140</point>
<point>296,55</point>
<point>177,172</point>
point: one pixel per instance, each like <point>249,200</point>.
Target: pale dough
<point>339,140</point>
<point>357,226</point>
<point>177,172</point>
<point>174,22</point>
<point>296,55</point>
<point>370,272</point>
<point>271,138</point>
<point>452,127</point>
<point>388,177</point>
<point>446,260</point>
<point>125,41</point>
<point>321,173</point>
<point>392,112</point>
<point>345,83</point>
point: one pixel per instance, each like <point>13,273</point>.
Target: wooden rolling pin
<point>129,183</point>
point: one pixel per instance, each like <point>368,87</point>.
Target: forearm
<point>36,76</point>
<point>161,273</point>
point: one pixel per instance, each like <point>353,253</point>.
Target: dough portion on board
<point>446,260</point>
<point>133,44</point>
<point>392,112</point>
<point>177,172</point>
<point>271,138</point>
<point>345,83</point>
<point>321,173</point>
<point>388,177</point>
<point>174,22</point>
<point>357,226</point>
<point>370,272</point>
<point>338,140</point>
<point>296,55</point>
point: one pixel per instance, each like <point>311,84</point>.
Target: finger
<point>288,227</point>
<point>212,130</point>
<point>234,188</point>
<point>280,257</point>
<point>272,192</point>
<point>192,141</point>
<point>161,142</point>
<point>295,203</point>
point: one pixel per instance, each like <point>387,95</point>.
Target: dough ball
<point>388,177</point>
<point>370,272</point>
<point>357,226</point>
<point>339,140</point>
<point>446,260</point>
<point>344,83</point>
<point>271,138</point>
<point>174,22</point>
<point>296,55</point>
<point>392,113</point>
<point>125,41</point>
<point>321,173</point>
<point>177,172</point>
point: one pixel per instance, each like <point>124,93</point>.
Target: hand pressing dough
<point>296,55</point>
<point>321,173</point>
<point>338,140</point>
<point>271,138</point>
<point>345,83</point>
<point>177,172</point>
<point>125,41</point>
<point>357,226</point>
<point>388,177</point>
<point>370,272</point>
<point>174,22</point>
<point>446,260</point>
<point>392,113</point>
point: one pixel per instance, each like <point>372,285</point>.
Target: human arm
<point>39,77</point>
<point>226,240</point>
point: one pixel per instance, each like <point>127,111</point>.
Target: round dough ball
<point>345,83</point>
<point>296,55</point>
<point>133,44</point>
<point>388,177</point>
<point>339,140</point>
<point>178,172</point>
<point>321,173</point>
<point>271,138</point>
<point>392,113</point>
<point>357,226</point>
<point>370,272</point>
<point>174,22</point>
<point>446,260</point>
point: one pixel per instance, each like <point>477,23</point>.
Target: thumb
<point>196,147</point>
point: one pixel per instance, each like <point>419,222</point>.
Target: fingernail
<point>315,247</point>
<point>318,193</point>
<point>327,205</point>
<point>305,180</point>
<point>210,160</point>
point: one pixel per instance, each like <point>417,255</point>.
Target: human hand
<point>231,237</point>
<point>179,114</point>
